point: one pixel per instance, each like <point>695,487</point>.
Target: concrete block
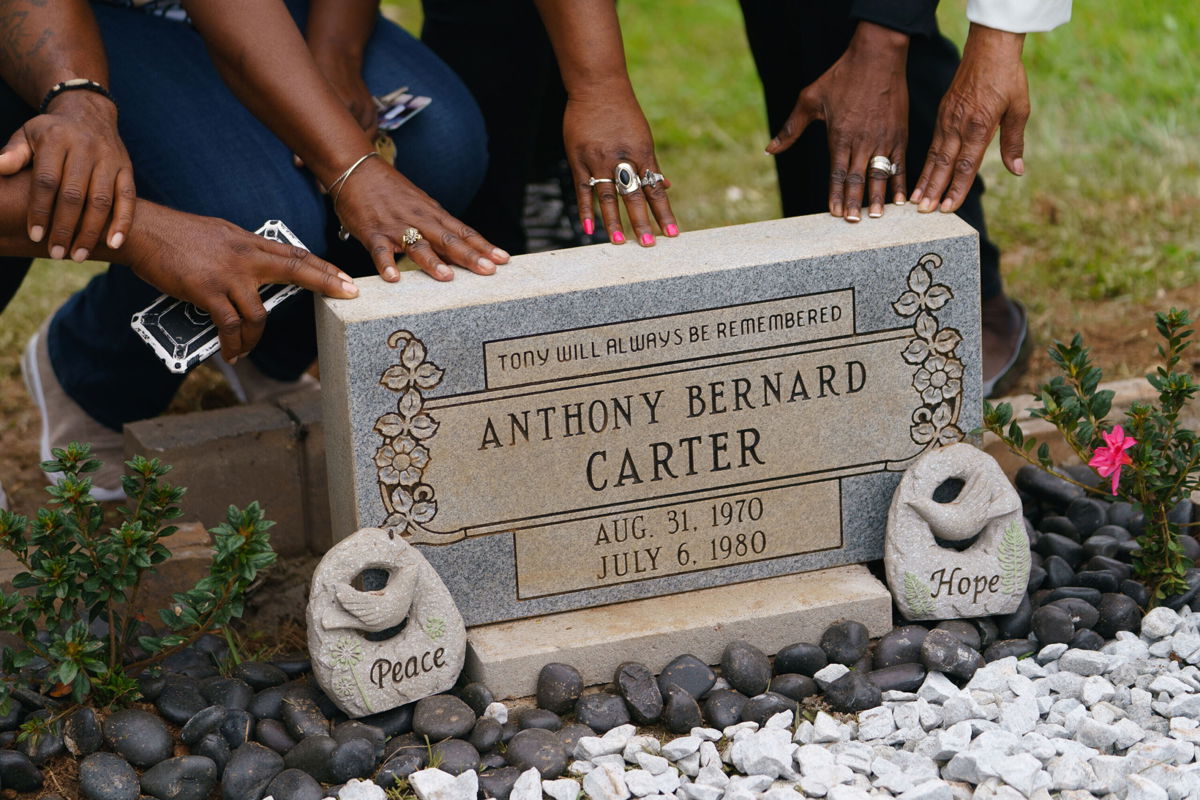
<point>304,407</point>
<point>770,613</point>
<point>231,456</point>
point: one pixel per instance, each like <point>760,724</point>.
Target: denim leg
<point>195,148</point>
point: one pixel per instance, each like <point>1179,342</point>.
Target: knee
<point>445,152</point>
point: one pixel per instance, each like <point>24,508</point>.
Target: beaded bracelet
<point>74,84</point>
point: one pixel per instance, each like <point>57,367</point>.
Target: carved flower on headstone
<point>402,461</point>
<point>415,507</point>
<point>935,424</point>
<point>413,370</point>
<point>939,378</point>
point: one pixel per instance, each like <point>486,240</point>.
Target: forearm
<point>340,28</point>
<point>586,36</point>
<point>261,55</point>
<point>45,43</point>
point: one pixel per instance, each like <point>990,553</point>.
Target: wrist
<point>604,89</point>
<point>994,42</point>
<point>878,40</point>
<point>337,52</point>
<point>84,105</point>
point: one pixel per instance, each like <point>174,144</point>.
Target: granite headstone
<point>608,423</point>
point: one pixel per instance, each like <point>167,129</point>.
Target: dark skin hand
<point>202,260</point>
<point>863,100</point>
<point>337,36</point>
<point>83,186</point>
<point>260,53</point>
<point>603,123</point>
<point>989,90</point>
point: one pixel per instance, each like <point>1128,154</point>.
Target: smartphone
<point>182,335</point>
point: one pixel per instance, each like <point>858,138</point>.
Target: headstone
<point>382,628</point>
<point>956,544</point>
<point>609,423</point>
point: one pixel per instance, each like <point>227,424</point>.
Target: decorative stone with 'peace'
<point>383,629</point>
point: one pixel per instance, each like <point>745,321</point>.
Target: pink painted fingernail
<point>117,240</point>
<point>672,229</point>
<point>647,239</point>
<point>589,227</point>
<point>36,233</point>
<point>58,251</point>
<point>79,255</point>
<point>618,237</point>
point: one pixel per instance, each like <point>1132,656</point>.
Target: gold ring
<point>412,236</point>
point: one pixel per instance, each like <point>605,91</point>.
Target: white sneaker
<point>250,385</point>
<point>63,421</point>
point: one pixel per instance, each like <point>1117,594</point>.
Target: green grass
<point>1109,207</point>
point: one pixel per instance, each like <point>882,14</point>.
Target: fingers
<point>47,175</point>
<point>229,327</point>
<point>97,207</point>
<point>639,217</point>
<point>122,214</point>
<point>656,195</point>
<point>583,199</point>
<point>897,184</point>
<point>975,139</point>
<point>800,118</point>
<point>383,254</point>
<point>296,265</point>
<point>1012,137</point>
<point>76,181</point>
<point>935,175</point>
<point>15,155</point>
<point>253,316</point>
<point>855,183</point>
<point>839,166</point>
<point>610,211</point>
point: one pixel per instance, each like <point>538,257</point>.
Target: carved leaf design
<point>937,296</point>
<point>919,279</point>
<point>413,354</point>
<point>427,376</point>
<point>1014,559</point>
<point>917,351</point>
<point>396,378</point>
<point>908,304</point>
<point>423,426</point>
<point>925,326</point>
<point>410,404</point>
<point>917,596</point>
<point>945,340</point>
<point>435,628</point>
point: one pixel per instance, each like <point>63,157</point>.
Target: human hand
<point>82,179</point>
<point>601,129</point>
<point>863,99</point>
<point>344,73</point>
<point>220,267</point>
<point>989,90</point>
<point>378,205</point>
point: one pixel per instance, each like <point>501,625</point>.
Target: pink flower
<point>1107,460</point>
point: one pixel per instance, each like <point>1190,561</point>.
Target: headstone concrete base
<point>769,613</point>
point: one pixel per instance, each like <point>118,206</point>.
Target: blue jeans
<point>195,148</point>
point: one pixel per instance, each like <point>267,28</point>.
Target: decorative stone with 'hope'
<point>956,544</point>
<point>382,628</point>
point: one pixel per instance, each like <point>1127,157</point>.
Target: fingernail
<point>875,213</point>
<point>647,239</point>
<point>589,227</point>
<point>500,255</point>
<point>898,199</point>
<point>36,233</point>
<point>1018,163</point>
<point>391,274</point>
<point>58,251</point>
<point>672,229</point>
<point>926,206</point>
<point>915,196</point>
<point>117,240</point>
<point>234,360</point>
<point>618,237</point>
<point>80,254</point>
<point>486,265</point>
<point>349,288</point>
<point>345,278</point>
<point>947,206</point>
<point>443,271</point>
<point>853,216</point>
